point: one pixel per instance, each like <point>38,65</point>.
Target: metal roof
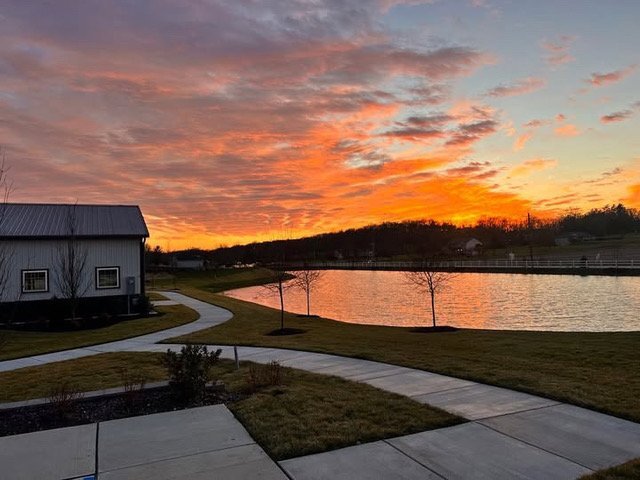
<point>29,220</point>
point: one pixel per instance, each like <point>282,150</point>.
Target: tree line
<point>419,239</point>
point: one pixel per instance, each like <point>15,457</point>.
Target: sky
<point>235,121</point>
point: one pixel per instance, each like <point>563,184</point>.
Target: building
<point>570,238</point>
<point>470,247</point>
<point>53,254</point>
<point>188,262</point>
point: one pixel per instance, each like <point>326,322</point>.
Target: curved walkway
<point>510,434</point>
<point>210,316</point>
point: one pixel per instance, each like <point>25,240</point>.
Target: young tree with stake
<point>429,281</point>
<point>278,285</point>
<point>306,281</point>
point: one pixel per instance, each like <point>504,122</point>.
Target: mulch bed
<point>99,409</point>
<point>436,329</point>
<point>285,331</point>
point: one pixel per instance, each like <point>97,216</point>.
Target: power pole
<point>530,237</point>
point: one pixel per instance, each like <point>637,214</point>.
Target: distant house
<point>573,237</point>
<point>42,244</point>
<point>470,247</point>
<point>188,262</point>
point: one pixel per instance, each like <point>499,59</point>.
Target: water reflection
<point>472,300</point>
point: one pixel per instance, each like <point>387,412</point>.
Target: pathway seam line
<point>413,397</point>
<point>175,457</point>
<point>410,457</point>
<point>535,446</point>
<point>97,446</point>
<point>518,411</point>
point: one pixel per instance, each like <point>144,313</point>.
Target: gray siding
<point>44,254</point>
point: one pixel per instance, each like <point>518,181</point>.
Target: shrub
<point>133,384</point>
<point>144,306</point>
<point>273,372</point>
<point>189,372</point>
<point>62,397</point>
<point>269,375</point>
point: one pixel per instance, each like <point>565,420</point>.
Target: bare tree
<point>306,280</point>
<point>6,253</point>
<point>429,281</point>
<point>71,264</point>
<point>277,286</point>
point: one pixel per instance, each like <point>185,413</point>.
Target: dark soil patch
<point>302,315</point>
<point>100,409</point>
<point>439,328</point>
<point>68,325</point>
<point>285,331</point>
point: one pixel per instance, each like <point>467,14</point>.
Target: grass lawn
<point>307,413</point>
<point>311,413</point>
<point>21,344</point>
<point>216,280</point>
<point>626,471</point>
<point>594,370</point>
<point>96,372</point>
<point>155,296</point>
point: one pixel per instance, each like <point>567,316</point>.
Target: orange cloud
<point>567,130</point>
<point>531,166</point>
<point>621,115</point>
<point>520,87</point>
<point>557,51</point>
<point>616,116</point>
<point>522,140</point>
<point>602,79</point>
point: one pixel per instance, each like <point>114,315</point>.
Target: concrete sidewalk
<point>210,316</point>
<point>511,434</point>
<point>199,444</point>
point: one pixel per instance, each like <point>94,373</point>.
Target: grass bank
<point>211,281</point>
<point>306,413</point>
<point>96,372</point>
<point>626,471</point>
<point>594,370</point>
<point>18,344</point>
<point>156,297</point>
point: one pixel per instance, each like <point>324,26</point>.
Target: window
<point>34,281</point>
<point>108,277</point>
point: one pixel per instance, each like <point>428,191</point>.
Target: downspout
<point>142,272</point>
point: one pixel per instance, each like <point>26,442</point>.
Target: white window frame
<point>38,270</point>
<point>109,287</point>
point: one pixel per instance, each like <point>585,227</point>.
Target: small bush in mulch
<point>80,411</point>
<point>260,376</point>
<point>439,328</point>
<point>190,371</point>
<point>62,398</point>
<point>285,331</point>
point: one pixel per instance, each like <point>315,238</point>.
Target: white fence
<point>542,264</point>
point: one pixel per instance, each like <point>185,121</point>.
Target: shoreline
<point>626,270</point>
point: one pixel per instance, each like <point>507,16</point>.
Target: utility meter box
<point>131,285</point>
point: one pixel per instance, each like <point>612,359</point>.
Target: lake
<point>471,300</point>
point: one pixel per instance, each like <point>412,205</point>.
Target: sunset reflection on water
<point>471,300</point>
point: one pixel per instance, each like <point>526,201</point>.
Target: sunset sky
<point>233,121</point>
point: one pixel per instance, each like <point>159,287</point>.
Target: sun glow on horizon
<point>232,123</point>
